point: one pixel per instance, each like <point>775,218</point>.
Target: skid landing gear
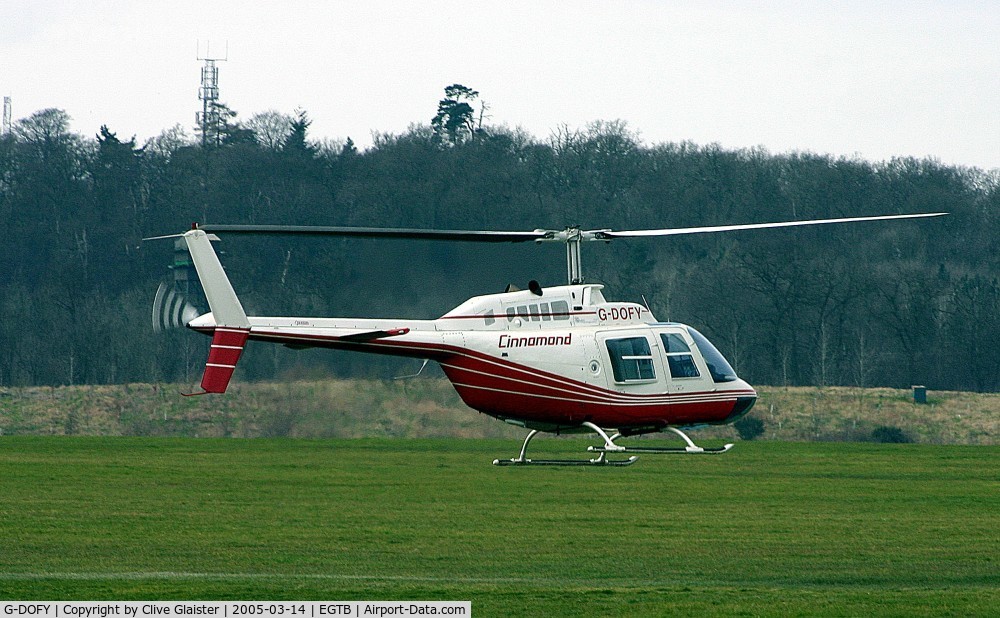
<point>610,447</point>
<point>690,449</point>
<point>601,460</point>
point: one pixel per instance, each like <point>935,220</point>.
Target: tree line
<point>892,304</point>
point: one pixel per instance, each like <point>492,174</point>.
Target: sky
<point>871,79</point>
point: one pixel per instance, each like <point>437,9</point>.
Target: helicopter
<point>560,359</point>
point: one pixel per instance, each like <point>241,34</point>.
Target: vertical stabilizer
<point>222,300</point>
<point>227,345</point>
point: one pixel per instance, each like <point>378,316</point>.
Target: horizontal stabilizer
<point>375,334</point>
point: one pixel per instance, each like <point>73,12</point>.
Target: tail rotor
<point>172,309</point>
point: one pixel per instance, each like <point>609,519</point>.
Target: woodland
<point>888,304</point>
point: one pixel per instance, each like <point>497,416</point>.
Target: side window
<point>631,360</point>
<point>560,310</point>
<point>679,357</point>
<point>556,310</point>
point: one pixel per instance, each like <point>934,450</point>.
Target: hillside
<point>429,407</point>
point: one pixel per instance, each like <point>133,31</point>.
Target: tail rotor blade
<point>175,306</point>
<point>158,306</point>
<point>171,309</point>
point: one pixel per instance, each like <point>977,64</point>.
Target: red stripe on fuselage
<point>563,315</point>
<point>504,391</point>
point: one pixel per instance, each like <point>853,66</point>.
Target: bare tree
<point>270,128</point>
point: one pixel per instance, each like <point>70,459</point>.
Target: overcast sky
<point>870,78</point>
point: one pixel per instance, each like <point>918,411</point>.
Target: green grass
<point>770,528</point>
<point>430,408</point>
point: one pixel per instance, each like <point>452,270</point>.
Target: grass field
<point>771,528</point>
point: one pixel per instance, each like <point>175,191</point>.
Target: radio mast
<point>209,119</point>
<point>5,128</point>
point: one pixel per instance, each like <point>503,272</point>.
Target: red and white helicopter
<point>557,359</point>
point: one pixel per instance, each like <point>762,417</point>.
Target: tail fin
<point>232,328</point>
<point>227,345</point>
<point>222,300</point>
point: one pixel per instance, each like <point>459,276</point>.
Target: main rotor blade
<point>377,232</point>
<point>567,235</point>
<point>608,234</point>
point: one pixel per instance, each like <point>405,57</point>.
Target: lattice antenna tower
<point>5,128</point>
<point>209,119</point>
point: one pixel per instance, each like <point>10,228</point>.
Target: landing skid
<point>601,460</point>
<point>610,447</point>
<point>566,462</point>
<point>668,450</point>
<point>690,449</point>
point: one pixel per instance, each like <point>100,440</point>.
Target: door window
<point>631,360</point>
<point>679,357</point>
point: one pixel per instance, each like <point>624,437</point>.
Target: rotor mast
<point>574,269</point>
<point>574,272</point>
<point>573,237</point>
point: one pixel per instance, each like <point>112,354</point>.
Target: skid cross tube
<point>601,460</point>
<point>690,449</point>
